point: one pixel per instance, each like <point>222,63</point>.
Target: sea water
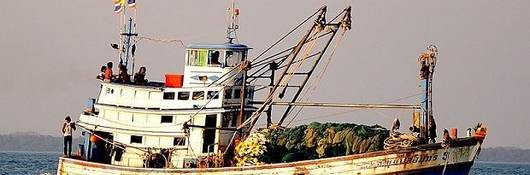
<point>39,163</point>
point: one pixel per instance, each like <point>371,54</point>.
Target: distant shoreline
<point>512,163</point>
<point>38,152</point>
<point>46,144</point>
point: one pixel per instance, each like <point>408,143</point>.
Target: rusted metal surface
<point>416,159</point>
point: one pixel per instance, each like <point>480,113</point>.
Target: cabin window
<point>198,57</point>
<point>192,55</point>
<point>183,96</point>
<point>233,58</point>
<point>166,119</point>
<point>136,139</point>
<point>250,93</point>
<point>230,119</point>
<point>213,94</point>
<point>199,95</point>
<point>237,93</point>
<point>213,59</point>
<point>226,119</point>
<point>169,95</point>
<point>228,93</point>
<point>179,141</point>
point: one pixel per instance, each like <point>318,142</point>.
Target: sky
<point>51,51</point>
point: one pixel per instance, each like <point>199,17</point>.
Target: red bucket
<point>174,80</point>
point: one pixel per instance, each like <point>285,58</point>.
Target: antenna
<point>127,45</point>
<point>233,22</point>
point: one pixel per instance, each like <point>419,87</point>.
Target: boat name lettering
<point>399,160</point>
<point>109,91</point>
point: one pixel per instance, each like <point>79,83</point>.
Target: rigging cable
<point>288,33</point>
<point>354,110</point>
<point>283,79</point>
<point>314,84</point>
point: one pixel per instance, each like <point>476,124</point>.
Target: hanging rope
<point>113,143</point>
<point>314,84</point>
<point>167,41</point>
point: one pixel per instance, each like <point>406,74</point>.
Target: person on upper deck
<point>139,77</point>
<point>101,75</point>
<point>123,77</point>
<point>68,128</point>
<point>108,73</point>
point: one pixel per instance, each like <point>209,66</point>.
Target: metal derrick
<point>290,65</point>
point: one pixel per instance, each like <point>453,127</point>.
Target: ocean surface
<point>30,163</point>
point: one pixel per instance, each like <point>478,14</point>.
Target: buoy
<point>93,138</point>
<point>454,133</point>
<point>480,133</point>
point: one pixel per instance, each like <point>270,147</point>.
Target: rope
<point>319,77</point>
<point>447,159</point>
<point>168,41</point>
<point>399,140</point>
<point>354,110</point>
<point>189,146</point>
<point>112,142</point>
<point>271,95</point>
<point>120,143</point>
<point>129,125</point>
<point>286,35</point>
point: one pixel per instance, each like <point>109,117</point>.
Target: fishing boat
<point>195,122</point>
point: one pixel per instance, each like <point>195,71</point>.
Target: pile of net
<point>313,141</point>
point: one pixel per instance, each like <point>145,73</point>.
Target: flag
<point>118,5</point>
<point>132,3</point>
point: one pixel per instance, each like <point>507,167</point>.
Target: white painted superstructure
<point>147,119</point>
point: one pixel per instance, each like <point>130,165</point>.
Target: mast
<point>427,62</point>
<point>231,34</point>
<point>233,22</point>
<point>127,45</point>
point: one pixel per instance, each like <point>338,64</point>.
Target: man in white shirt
<point>68,128</point>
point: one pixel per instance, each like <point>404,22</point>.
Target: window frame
<point>198,98</point>
<point>166,116</point>
<point>212,95</point>
<point>183,92</point>
<point>237,93</point>
<point>184,141</point>
<point>136,137</point>
<point>168,96</point>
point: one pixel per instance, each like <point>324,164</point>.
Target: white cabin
<point>150,120</point>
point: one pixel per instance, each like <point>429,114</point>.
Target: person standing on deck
<point>432,129</point>
<point>108,73</point>
<point>68,128</point>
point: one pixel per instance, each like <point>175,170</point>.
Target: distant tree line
<point>505,154</point>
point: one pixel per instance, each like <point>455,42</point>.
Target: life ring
<point>187,164</point>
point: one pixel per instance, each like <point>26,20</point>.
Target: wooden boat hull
<point>424,159</point>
